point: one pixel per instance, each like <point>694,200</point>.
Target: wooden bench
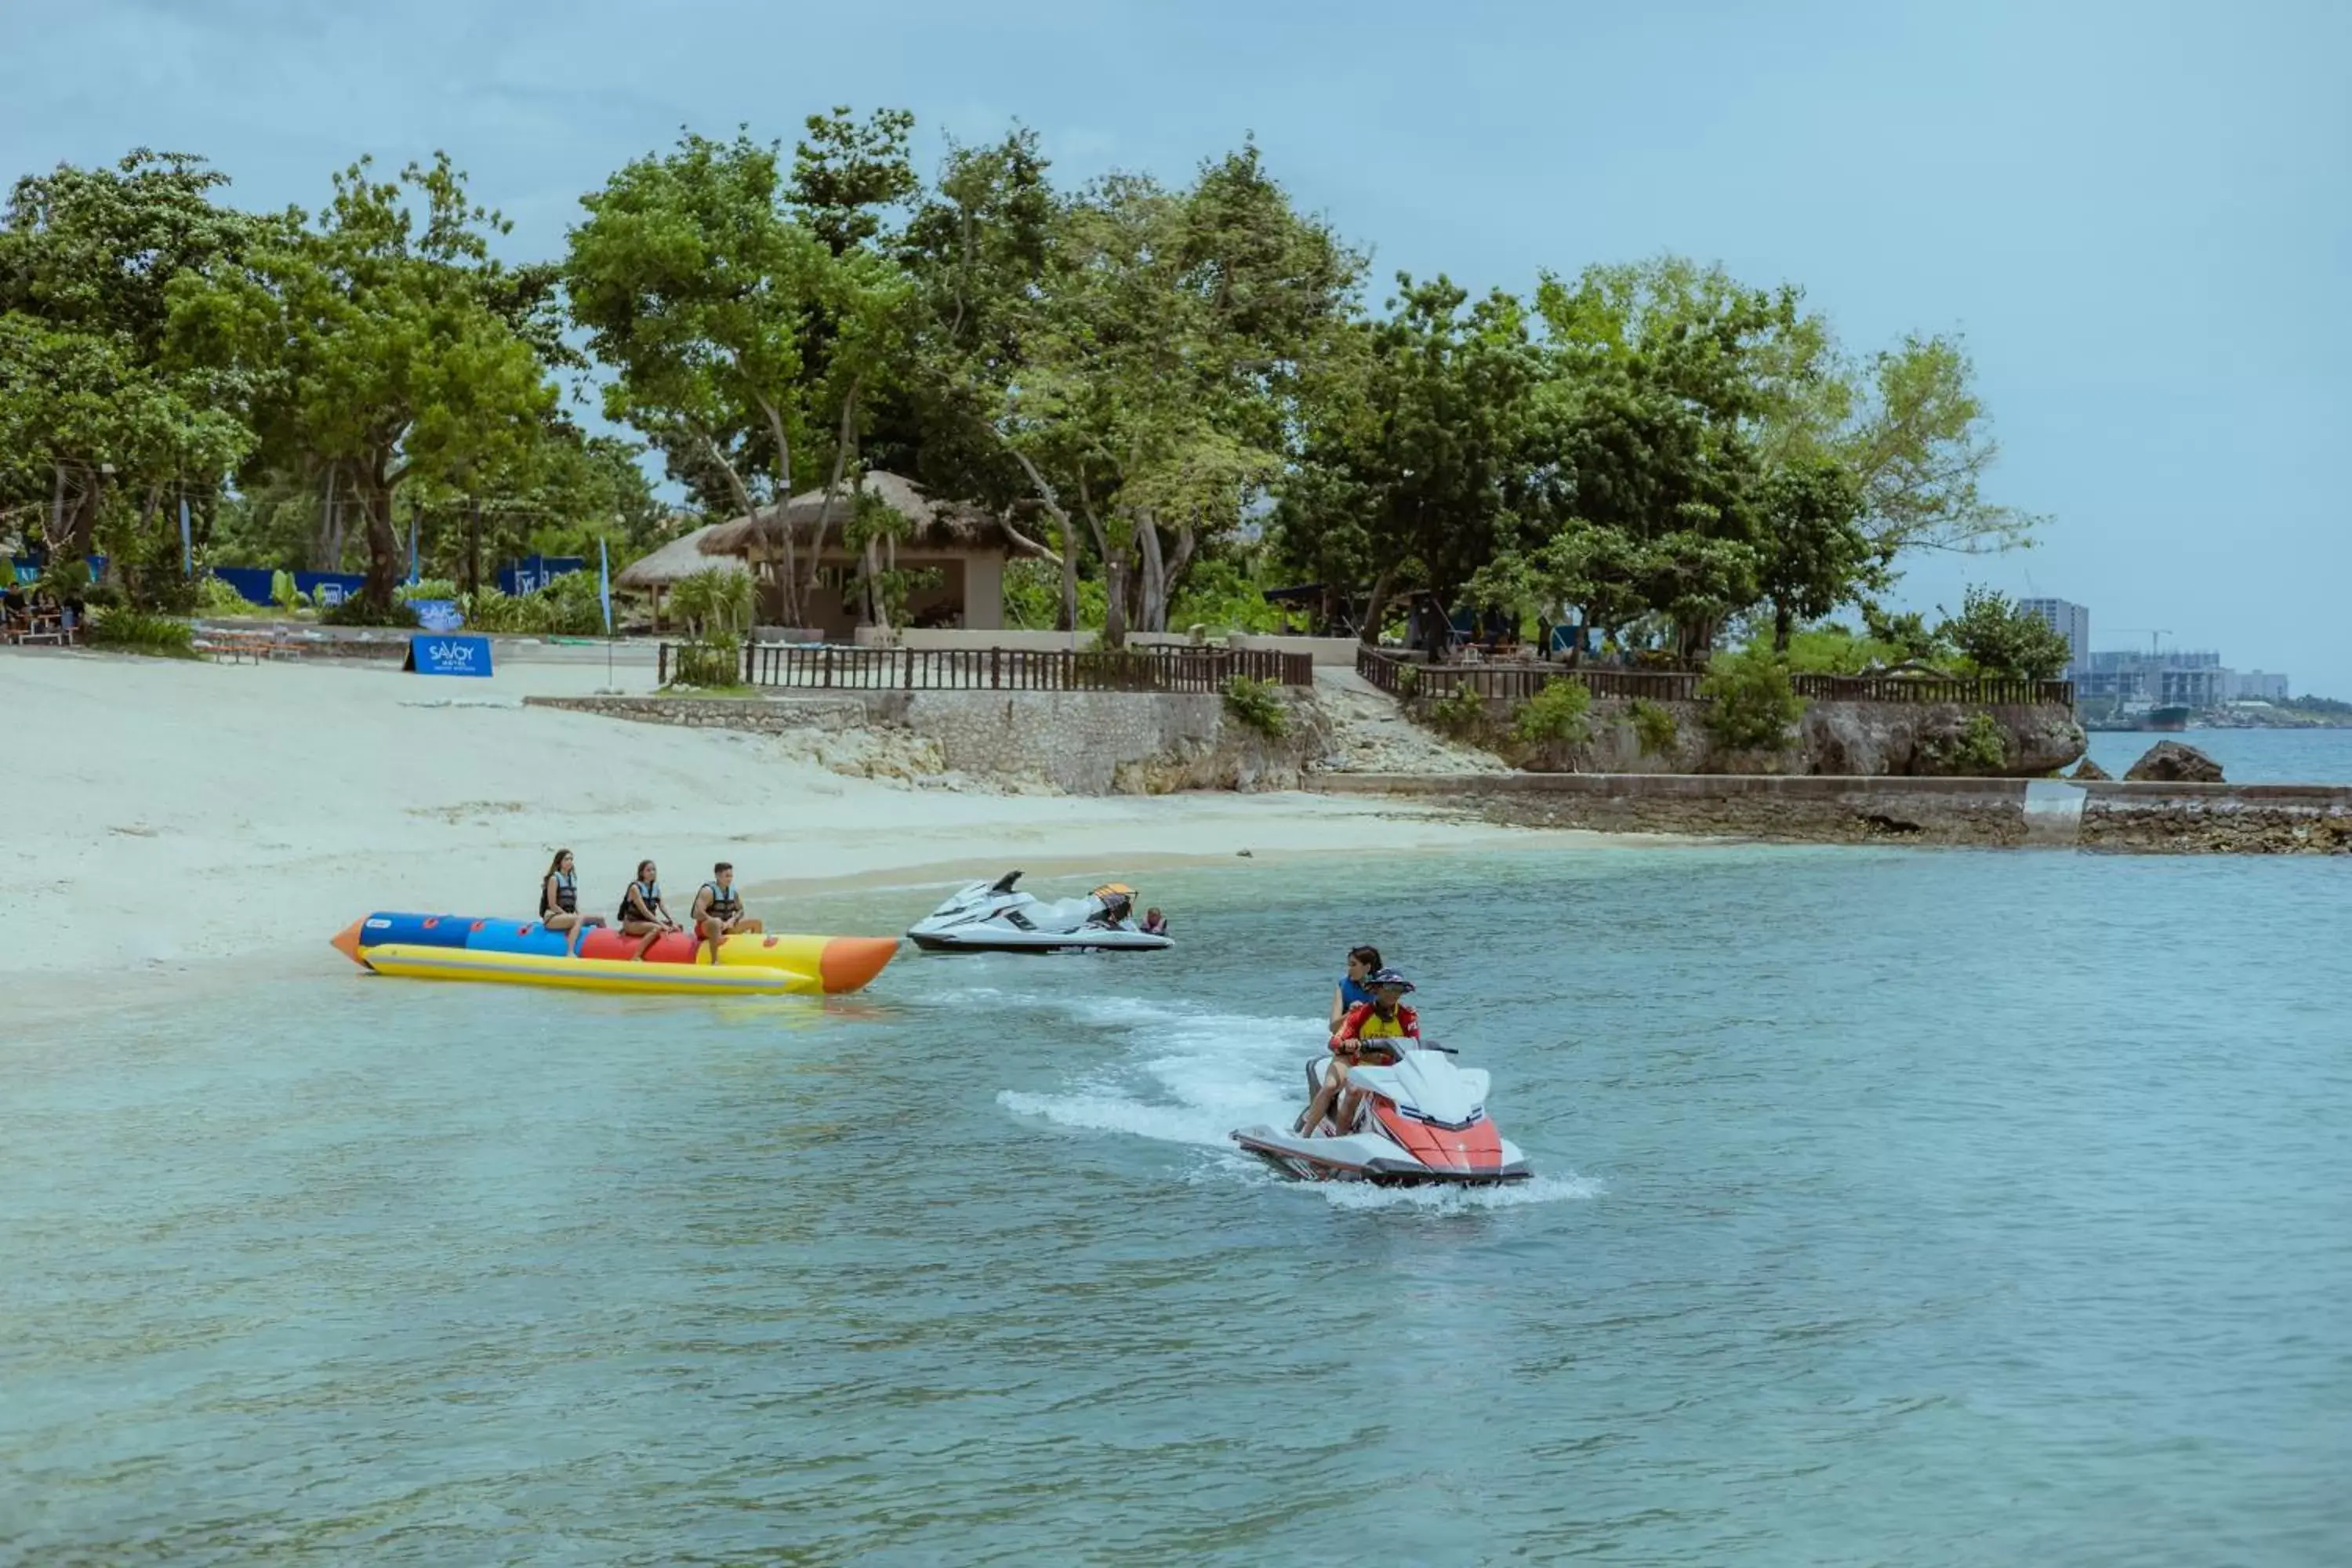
<point>228,647</point>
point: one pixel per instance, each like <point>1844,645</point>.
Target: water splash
<point>1190,1076</point>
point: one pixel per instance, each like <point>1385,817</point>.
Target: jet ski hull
<point>1423,1122</point>
<point>1364,1158</point>
<point>970,940</point>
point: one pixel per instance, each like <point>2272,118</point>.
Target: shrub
<point>1556,714</point>
<point>2003,641</point>
<point>1980,751</point>
<point>425,588</point>
<point>712,600</point>
<point>575,609</point>
<point>1253,703</point>
<point>356,611</point>
<point>1750,704</point>
<point>283,592</point>
<point>708,661</point>
<point>1461,713</point>
<point>216,597</point>
<point>1408,681</point>
<point>1654,726</point>
<point>142,631</point>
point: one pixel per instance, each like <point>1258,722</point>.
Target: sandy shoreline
<point>168,814</point>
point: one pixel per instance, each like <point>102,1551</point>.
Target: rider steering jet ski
<point>991,917</point>
<point>1405,1117</point>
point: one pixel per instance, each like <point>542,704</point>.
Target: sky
<point>2138,214</point>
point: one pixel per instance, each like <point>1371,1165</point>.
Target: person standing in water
<point>718,912</point>
<point>559,903</point>
<point>642,913</point>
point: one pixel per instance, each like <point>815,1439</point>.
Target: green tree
<point>1416,461</point>
<point>1156,364</point>
<point>384,344</point>
<point>95,420</point>
<point>1812,554</point>
<point>2001,640</point>
<point>697,286</point>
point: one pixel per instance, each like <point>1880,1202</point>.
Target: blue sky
<point>2139,215</point>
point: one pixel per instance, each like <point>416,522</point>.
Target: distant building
<point>2131,680</point>
<point>2069,620</point>
<point>2255,686</point>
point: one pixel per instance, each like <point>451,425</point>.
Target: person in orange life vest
<point>1363,1036</point>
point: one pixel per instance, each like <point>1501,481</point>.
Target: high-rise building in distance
<point>2071,621</point>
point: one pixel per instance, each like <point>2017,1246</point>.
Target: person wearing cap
<point>1363,1035</point>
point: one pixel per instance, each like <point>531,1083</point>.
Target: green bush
<point>1980,751</point>
<point>356,611</point>
<point>283,594</point>
<point>142,631</point>
<point>1254,703</point>
<point>1555,715</point>
<point>216,597</point>
<point>1654,726</point>
<point>2000,640</point>
<point>425,588</point>
<point>1751,703</point>
<point>710,661</point>
<point>1461,713</point>
<point>575,609</point>
<point>713,600</point>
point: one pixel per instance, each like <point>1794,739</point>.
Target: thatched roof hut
<point>938,524</point>
<point>681,557</point>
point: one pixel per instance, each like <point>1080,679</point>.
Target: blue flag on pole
<point>412,551</point>
<point>187,551</point>
<point>605,585</point>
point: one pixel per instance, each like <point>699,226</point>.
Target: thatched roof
<point>681,557</point>
<point>936,523</point>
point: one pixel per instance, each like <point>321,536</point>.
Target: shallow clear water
<point>1894,1207</point>
<point>2247,756</point>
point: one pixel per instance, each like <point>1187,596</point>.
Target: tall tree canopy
<point>384,344</point>
<point>1136,376</point>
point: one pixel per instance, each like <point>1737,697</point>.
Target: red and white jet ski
<point>1421,1122</point>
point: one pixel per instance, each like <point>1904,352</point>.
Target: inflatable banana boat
<point>524,952</point>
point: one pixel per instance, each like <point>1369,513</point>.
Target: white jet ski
<point>991,917</point>
<point>1422,1121</point>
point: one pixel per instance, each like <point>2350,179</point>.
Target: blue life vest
<point>1352,994</point>
<point>567,897</point>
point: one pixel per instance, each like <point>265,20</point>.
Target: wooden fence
<point>1518,682</point>
<point>829,668</point>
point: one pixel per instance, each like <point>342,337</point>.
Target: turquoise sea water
<point>2247,756</point>
<point>1894,1207</point>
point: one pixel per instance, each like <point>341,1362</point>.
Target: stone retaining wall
<point>759,715</point>
<point>2217,818</point>
<point>1797,808</point>
<point>2142,819</point>
<point>1079,743</point>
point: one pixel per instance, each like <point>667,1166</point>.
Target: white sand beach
<point>164,815</point>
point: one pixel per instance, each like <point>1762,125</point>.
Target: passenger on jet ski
<point>1361,961</point>
<point>1359,1038</point>
<point>1118,902</point>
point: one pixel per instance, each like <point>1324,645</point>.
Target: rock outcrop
<point>2173,761</point>
<point>2090,772</point>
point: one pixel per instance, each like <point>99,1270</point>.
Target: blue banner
<point>331,588</point>
<point>532,573</point>
<point>432,654</point>
<point>437,615</point>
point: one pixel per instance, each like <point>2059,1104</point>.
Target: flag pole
<point>604,594</point>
